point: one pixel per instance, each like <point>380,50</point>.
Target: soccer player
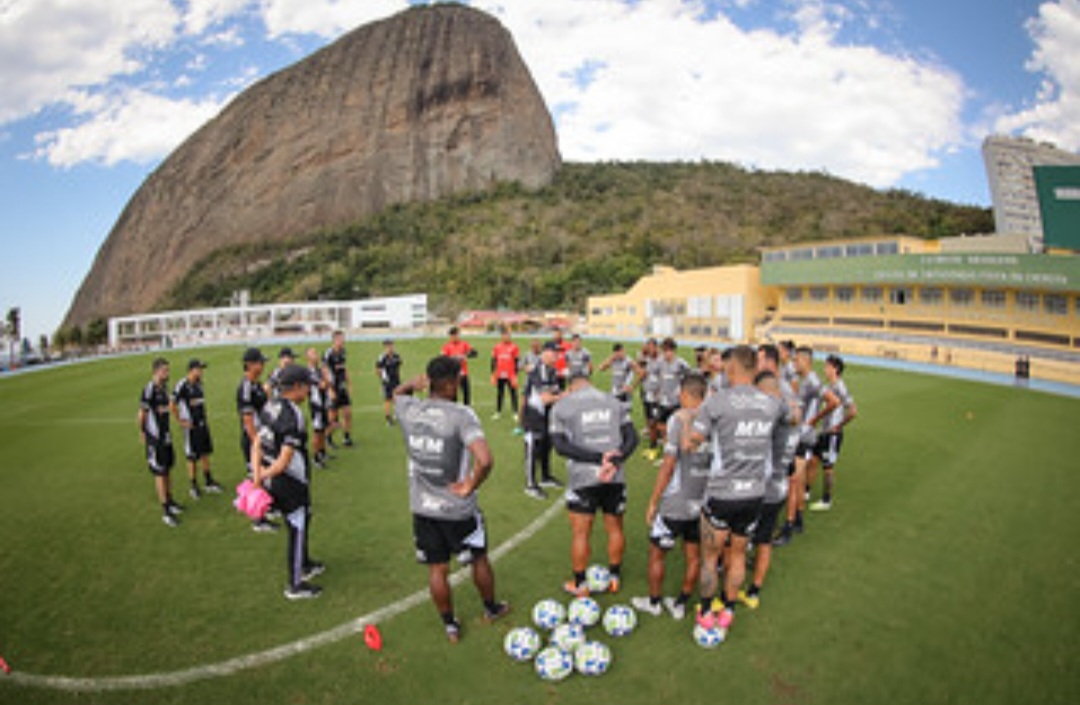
<point>449,459</point>
<point>341,389</point>
<point>718,363</point>
<point>504,373</point>
<point>189,407</point>
<point>154,434</point>
<point>578,359</point>
<point>786,348</point>
<point>674,510</point>
<point>562,346</point>
<point>776,485</point>
<point>542,390</point>
<point>669,369</point>
<point>286,357</point>
<point>318,401</point>
<point>279,461</point>
<point>625,373</point>
<point>250,399</point>
<point>650,383</point>
<point>829,442</point>
<point>814,402</point>
<point>740,424</point>
<point>593,431</point>
<point>532,357</point>
<point>388,370</point>
<point>461,351</point>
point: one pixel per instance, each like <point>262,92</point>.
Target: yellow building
<point>977,302</point>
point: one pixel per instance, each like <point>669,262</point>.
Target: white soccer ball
<point>548,614</point>
<point>592,658</point>
<point>620,620</point>
<point>584,611</point>
<point>554,664</point>
<point>521,644</point>
<point>568,637</point>
<point>597,578</point>
<point>708,638</point>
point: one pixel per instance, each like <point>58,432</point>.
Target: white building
<point>1009,168</point>
<point>314,319</point>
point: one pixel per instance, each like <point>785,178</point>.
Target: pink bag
<point>251,500</point>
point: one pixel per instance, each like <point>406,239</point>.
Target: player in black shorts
<point>154,434</point>
<point>250,399</point>
<point>189,407</point>
<point>318,400</point>
<point>388,370</point>
<point>341,391</point>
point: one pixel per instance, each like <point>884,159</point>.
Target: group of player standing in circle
<point>738,441</point>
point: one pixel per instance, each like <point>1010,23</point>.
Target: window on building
<point>899,295</point>
<point>829,252</point>
<point>993,298</point>
<point>819,293</point>
<point>596,311</point>
<point>961,297</point>
<point>1027,301</point>
<point>871,294</point>
<point>803,253</point>
<point>632,310</point>
<point>706,330</point>
<point>887,248</point>
<point>1055,304</point>
<point>930,296</point>
<point>776,256</point>
<point>793,294</point>
<point>864,249</point>
<point>845,294</point>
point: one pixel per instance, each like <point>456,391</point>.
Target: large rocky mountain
<point>430,102</point>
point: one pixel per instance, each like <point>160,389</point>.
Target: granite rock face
<point>430,102</point>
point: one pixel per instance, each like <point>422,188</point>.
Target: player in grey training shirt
<point>593,431</point>
<point>832,432</point>
<point>449,459</point>
<point>674,510</point>
<point>624,373</point>
<point>814,401</point>
<point>669,369</point>
<point>740,424</point>
<point>578,359</point>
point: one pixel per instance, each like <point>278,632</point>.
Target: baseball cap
<point>254,355</point>
<point>196,362</point>
<point>286,352</point>
<point>293,375</point>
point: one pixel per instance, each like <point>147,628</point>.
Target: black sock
<point>579,577</point>
<point>754,590</point>
<point>492,606</point>
<point>348,436</point>
<point>208,478</point>
<point>654,599</point>
<point>683,598</point>
<point>448,618</point>
<point>194,484</point>
<point>826,497</point>
<point>615,570</point>
<point>706,605</point>
<point>165,508</point>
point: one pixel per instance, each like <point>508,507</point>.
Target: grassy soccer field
<point>946,571</point>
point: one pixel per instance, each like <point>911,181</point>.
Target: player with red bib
<point>504,372</point>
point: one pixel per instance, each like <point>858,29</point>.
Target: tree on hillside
<point>43,345</point>
<point>97,332</point>
<point>75,336</point>
<point>14,329</point>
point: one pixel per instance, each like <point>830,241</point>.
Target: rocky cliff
<point>430,102</point>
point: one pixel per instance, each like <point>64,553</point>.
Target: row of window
<point>1026,301</point>
<point>855,249</point>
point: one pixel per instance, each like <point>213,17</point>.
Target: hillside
<point>595,229</point>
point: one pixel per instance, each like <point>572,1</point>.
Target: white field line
<point>151,681</point>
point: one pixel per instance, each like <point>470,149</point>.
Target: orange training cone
<point>372,637</point>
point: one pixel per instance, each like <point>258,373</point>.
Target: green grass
<point>946,571</point>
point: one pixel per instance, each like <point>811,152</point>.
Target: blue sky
<point>894,93</point>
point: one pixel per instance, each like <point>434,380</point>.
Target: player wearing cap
<point>461,351</point>
<point>815,402</point>
<point>594,432</point>
<point>740,424</point>
<point>318,401</point>
<point>189,407</point>
<point>624,373</point>
<point>542,390</point>
<point>286,357</point>
<point>280,462</point>
<point>388,370</point>
<point>155,437</point>
<point>832,436</point>
<point>449,459</point>
<point>341,389</point>
<point>504,373</point>
<point>674,510</point>
<point>776,485</point>
<point>250,399</point>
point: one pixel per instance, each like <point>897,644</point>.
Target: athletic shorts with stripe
<point>437,540</point>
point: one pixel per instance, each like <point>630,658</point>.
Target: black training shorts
<point>437,540</point>
<point>766,525</point>
<point>828,448</point>
<point>608,497</point>
<point>160,458</point>
<point>665,532</point>
<point>739,516</point>
<point>197,442</point>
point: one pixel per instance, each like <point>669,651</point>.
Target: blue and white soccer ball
<point>568,637</point>
<point>522,643</point>
<point>554,664</point>
<point>592,658</point>
<point>584,611</point>
<point>620,620</point>
<point>709,638</point>
<point>597,578</point>
<point>548,614</point>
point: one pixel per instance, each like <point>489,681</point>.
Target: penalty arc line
<point>228,667</point>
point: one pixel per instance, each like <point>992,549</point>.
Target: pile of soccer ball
<point>569,648</point>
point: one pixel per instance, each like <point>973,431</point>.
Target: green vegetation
<point>595,230</point>
<point>946,571</point>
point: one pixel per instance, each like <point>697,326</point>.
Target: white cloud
<point>49,47</point>
<point>203,14</point>
<point>1054,115</point>
<point>325,18</point>
<point>134,126</point>
<point>674,87</point>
